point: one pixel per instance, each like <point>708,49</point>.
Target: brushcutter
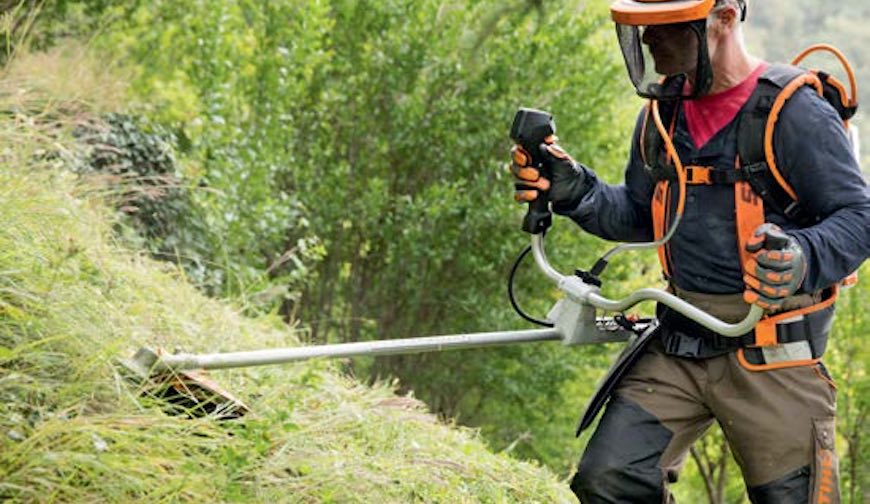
<point>573,320</point>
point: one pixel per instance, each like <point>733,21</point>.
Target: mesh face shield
<point>664,43</point>
<point>667,62</point>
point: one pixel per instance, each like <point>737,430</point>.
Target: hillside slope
<point>72,430</point>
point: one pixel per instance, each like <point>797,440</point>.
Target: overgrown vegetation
<point>360,145</point>
<point>337,166</point>
<point>72,301</point>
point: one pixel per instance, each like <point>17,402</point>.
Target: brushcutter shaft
<point>574,318</point>
<point>184,361</point>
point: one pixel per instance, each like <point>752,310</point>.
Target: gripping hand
<point>776,268</point>
<point>570,180</point>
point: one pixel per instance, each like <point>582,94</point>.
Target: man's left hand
<point>776,268</point>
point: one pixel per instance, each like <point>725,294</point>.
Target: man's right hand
<point>570,180</point>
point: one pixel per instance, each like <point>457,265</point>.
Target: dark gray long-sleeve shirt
<point>814,155</point>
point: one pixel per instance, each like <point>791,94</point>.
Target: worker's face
<point>674,48</point>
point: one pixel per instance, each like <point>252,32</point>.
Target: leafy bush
<point>381,129</point>
<point>72,430</point>
<point>140,166</point>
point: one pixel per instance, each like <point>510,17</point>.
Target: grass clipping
<point>72,430</point>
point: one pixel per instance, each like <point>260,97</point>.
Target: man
<point>767,390</point>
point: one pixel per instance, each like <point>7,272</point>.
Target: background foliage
<point>341,163</point>
<point>73,428</point>
<point>382,125</point>
<point>780,29</point>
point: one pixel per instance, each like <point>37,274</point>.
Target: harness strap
<point>749,211</point>
<point>790,89</point>
<point>660,203</point>
<point>799,332</point>
<point>757,177</point>
<point>709,175</point>
<point>796,331</point>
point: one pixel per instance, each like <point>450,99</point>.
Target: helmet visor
<point>666,62</point>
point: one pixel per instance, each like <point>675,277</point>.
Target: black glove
<point>776,268</point>
<point>570,179</point>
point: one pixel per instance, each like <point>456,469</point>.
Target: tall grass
<point>72,301</point>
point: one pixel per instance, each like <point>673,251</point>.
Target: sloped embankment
<point>72,430</point>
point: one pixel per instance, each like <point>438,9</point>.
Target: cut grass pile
<point>72,430</point>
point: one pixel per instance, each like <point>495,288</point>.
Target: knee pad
<point>621,461</point>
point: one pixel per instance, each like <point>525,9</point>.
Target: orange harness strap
<point>749,213</point>
<point>660,203</point>
<point>749,210</point>
<point>696,175</point>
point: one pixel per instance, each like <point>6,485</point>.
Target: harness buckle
<point>696,175</point>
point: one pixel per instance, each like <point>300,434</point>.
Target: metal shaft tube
<point>184,361</point>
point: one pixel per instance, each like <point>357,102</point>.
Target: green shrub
<point>380,128</point>
<point>73,430</point>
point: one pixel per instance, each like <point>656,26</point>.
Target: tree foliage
<point>346,160</point>
<point>375,133</point>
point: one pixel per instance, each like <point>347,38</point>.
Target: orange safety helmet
<point>659,12</point>
<point>664,43</point>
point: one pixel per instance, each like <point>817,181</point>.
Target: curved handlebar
<point>684,308</point>
<point>574,287</point>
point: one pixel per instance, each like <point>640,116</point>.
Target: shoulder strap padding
<point>780,74</point>
<point>750,141</point>
<point>753,120</point>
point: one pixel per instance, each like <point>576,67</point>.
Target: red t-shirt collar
<point>707,115</point>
